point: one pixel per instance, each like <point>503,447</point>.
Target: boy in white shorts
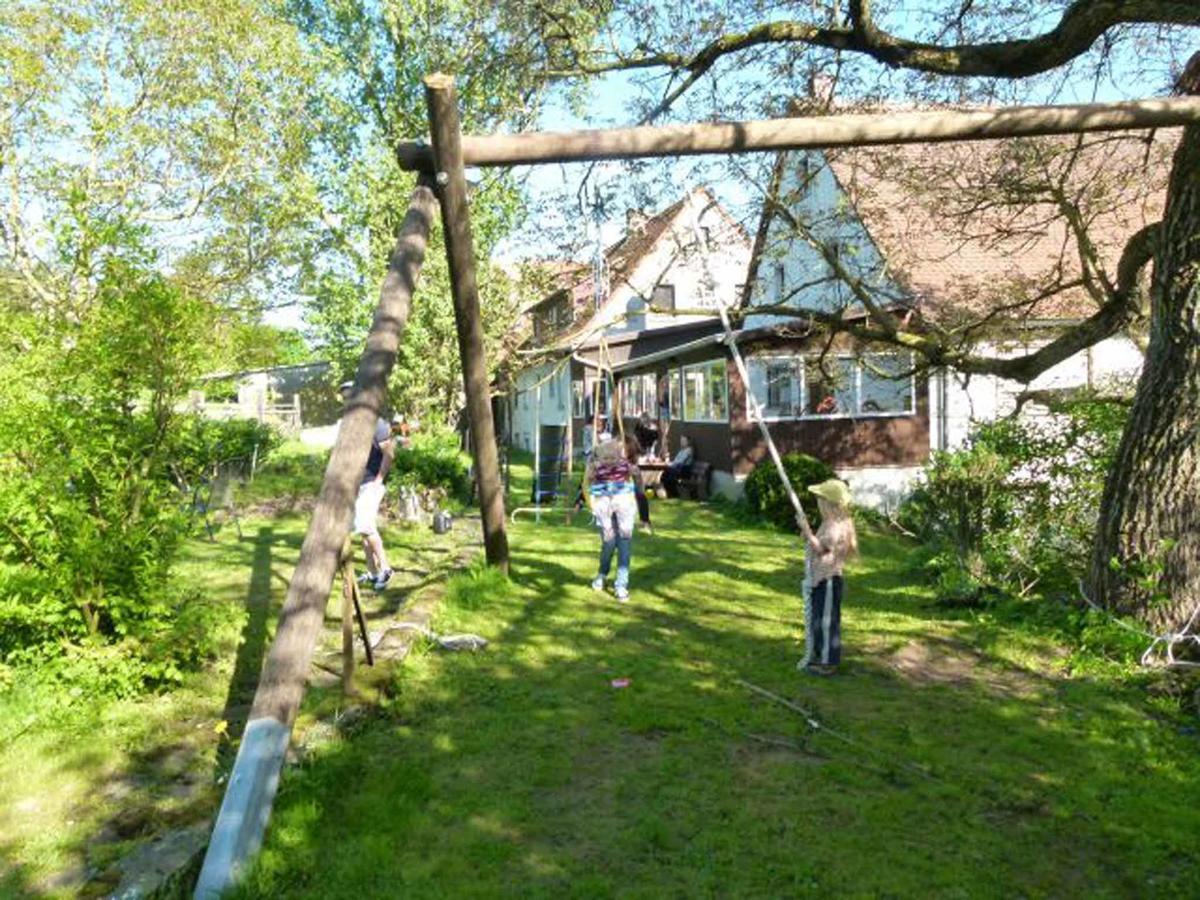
<point>370,495</point>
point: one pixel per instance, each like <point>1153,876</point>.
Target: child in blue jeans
<point>609,487</point>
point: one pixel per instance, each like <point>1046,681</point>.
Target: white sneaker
<point>622,594</point>
<point>382,579</point>
<point>598,583</point>
<point>366,578</point>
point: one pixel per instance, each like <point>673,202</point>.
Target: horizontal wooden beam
<point>851,130</point>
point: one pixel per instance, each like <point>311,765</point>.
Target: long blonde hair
<point>838,525</point>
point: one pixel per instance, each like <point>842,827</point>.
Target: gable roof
<point>622,259</point>
<point>965,234</point>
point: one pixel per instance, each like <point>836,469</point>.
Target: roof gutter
<point>638,362</point>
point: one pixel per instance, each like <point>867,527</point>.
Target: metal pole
<point>537,451</point>
<point>843,130</point>
<point>442,102</point>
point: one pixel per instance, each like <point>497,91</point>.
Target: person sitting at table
<point>680,467</point>
<point>646,433</point>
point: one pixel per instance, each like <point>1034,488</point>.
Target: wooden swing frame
<point>246,808</point>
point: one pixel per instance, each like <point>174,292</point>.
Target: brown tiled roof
<point>961,258</point>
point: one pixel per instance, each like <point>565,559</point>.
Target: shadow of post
<point>251,649</point>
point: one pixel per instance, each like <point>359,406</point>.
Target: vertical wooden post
<point>441,99</point>
<point>347,630</point>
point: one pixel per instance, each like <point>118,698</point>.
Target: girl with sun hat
<point>829,547</point>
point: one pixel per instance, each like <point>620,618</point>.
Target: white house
<point>878,220</point>
<point>668,271</point>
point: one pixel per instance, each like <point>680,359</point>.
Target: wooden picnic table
<point>652,470</point>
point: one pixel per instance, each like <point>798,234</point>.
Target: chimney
<point>821,87</point>
<point>635,219</point>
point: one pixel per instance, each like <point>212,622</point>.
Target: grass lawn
<point>958,755</point>
<point>87,779</point>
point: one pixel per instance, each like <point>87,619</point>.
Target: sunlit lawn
<point>85,780</point>
<point>962,759</point>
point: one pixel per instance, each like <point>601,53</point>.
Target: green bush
<point>768,499</point>
<point>434,460</point>
<point>90,511</point>
<point>199,444</point>
<point>1016,508</point>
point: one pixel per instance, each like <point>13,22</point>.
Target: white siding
<point>555,401</point>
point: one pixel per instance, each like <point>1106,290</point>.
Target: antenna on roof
<point>599,267</point>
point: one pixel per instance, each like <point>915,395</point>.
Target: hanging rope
<point>756,411</point>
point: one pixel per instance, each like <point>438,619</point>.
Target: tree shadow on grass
<point>163,779</point>
<point>252,647</point>
<point>524,769</point>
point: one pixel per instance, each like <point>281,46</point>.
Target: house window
<point>553,316</point>
<point>705,392</point>
<point>585,401</point>
<point>830,387</point>
<point>886,384</point>
<point>631,399</point>
<point>663,297</point>
<point>777,383</point>
<point>638,394</point>
<point>635,314</point>
<point>577,399</point>
<point>788,387</point>
<point>674,394</point>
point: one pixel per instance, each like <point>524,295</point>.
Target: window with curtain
<point>631,395</point>
<point>577,399</point>
<point>675,393</point>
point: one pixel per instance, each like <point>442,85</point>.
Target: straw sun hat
<point>833,490</point>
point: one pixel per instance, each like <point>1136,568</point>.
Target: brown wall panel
<point>843,443</point>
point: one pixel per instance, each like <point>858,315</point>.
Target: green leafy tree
<point>499,53</point>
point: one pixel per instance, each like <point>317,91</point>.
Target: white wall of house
<point>675,260</point>
<point>790,268</point>
<point>678,261</point>
<point>555,392</point>
<point>985,398</point>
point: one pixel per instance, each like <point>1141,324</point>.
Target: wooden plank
<point>842,130</point>
<point>250,794</point>
<point>347,628</point>
<point>441,99</point>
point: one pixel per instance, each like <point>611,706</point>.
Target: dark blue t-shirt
<point>383,433</point>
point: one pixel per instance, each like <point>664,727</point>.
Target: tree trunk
<point>1146,559</point>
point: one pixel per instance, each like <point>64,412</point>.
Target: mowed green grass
<point>956,757</point>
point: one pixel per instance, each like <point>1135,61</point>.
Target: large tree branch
<point>1081,25</point>
<point>1112,318</point>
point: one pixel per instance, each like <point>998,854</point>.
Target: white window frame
<point>912,387</point>
<point>792,358</point>
<point>707,364</point>
<point>803,365</point>
<point>577,398</point>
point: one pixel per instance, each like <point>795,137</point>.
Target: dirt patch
<point>948,662</point>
